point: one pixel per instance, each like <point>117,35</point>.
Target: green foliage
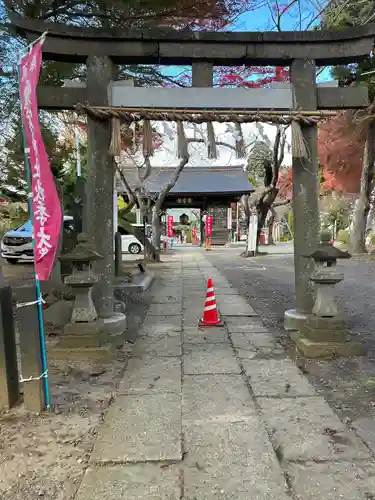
<point>341,15</point>
<point>291,221</point>
<point>343,236</point>
<point>62,158</point>
<point>253,181</point>
<point>259,155</point>
<point>335,211</point>
<point>285,237</point>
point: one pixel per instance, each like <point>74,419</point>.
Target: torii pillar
<point>305,195</point>
<point>99,200</point>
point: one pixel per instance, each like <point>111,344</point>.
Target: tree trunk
<point>156,230</point>
<point>246,205</point>
<point>271,224</point>
<point>357,235</point>
<point>138,233</point>
<point>262,211</point>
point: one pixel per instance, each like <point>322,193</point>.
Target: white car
<point>129,242</point>
<point>17,244</point>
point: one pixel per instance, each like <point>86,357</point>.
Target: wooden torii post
<point>102,49</point>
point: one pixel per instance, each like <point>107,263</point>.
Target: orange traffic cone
<point>210,314</point>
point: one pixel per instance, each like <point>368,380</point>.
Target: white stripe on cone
<point>211,289</point>
<point>209,308</point>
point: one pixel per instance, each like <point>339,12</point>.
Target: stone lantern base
<point>84,342</point>
<point>324,337</point>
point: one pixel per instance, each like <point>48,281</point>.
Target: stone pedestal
<point>324,333</point>
<point>85,336</point>
<point>325,338</point>
<point>294,320</point>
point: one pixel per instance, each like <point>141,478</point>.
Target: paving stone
<point>365,428</point>
<point>131,482</point>
<point>167,298</point>
<point>225,483</point>
<point>228,442</point>
<point>174,319</point>
<point>231,461</point>
<point>196,306</point>
<point>163,325</point>
<point>194,279</point>
<point>248,354</point>
<point>307,429</point>
<point>209,358</point>
<point>215,398</point>
<point>248,350</point>
<point>236,300</point>
<point>276,377</point>
<point>191,320</point>
<point>196,335</point>
<point>219,284</point>
<point>172,282</point>
<point>333,481</point>
<point>138,428</point>
<point>227,291</point>
<point>159,331</point>
<point>164,346</point>
<point>233,309</point>
<point>166,309</point>
<point>245,340</point>
<point>245,325</point>
<point>149,374</point>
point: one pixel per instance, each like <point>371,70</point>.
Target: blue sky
<point>261,20</point>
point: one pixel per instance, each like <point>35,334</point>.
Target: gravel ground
<point>45,456</point>
<point>268,284</point>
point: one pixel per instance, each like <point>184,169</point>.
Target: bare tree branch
<point>129,192</point>
<point>165,190</point>
<point>148,168</point>
<point>218,143</point>
<point>282,203</point>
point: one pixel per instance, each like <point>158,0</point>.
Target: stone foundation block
<point>294,320</point>
<point>326,349</point>
<point>101,354</point>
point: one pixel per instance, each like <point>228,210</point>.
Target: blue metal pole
<point>43,350</point>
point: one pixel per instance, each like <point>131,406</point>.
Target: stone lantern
<point>325,333</point>
<point>84,327</point>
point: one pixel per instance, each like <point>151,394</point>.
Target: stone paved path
<point>219,414</point>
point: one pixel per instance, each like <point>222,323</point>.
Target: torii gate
<point>102,49</point>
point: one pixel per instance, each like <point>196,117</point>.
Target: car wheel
<point>12,261</point>
<point>134,248</point>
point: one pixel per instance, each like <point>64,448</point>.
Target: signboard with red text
<point>209,225</point>
<point>170,225</point>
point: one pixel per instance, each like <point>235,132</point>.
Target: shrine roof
<point>195,180</point>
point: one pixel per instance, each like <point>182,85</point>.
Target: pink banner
<point>209,225</point>
<point>46,207</point>
<point>170,226</point>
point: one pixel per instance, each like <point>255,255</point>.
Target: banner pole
<point>39,303</point>
<point>28,47</point>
